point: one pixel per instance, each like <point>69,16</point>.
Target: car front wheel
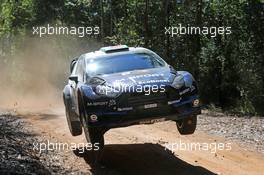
<point>95,136</point>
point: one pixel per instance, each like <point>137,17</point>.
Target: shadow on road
<point>144,159</point>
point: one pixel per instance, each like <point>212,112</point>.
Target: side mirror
<point>74,78</point>
<point>72,65</point>
<point>172,70</point>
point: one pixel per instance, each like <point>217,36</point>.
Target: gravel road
<point>138,149</point>
<point>247,131</point>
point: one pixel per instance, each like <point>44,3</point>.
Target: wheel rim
<point>180,123</point>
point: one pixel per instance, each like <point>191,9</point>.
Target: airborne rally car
<point>119,86</point>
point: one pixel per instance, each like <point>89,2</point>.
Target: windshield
<point>122,63</point>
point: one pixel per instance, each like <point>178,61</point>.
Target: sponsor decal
<point>146,75</point>
<point>153,105</point>
<point>111,102</point>
<point>125,109</point>
<point>184,91</point>
<point>153,81</point>
<point>102,103</point>
<point>190,89</point>
<point>133,78</point>
<point>174,101</point>
<point>152,121</point>
<point>94,118</point>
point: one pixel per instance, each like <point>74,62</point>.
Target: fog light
<point>93,118</point>
<point>196,103</point>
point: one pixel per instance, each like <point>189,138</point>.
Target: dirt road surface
<point>143,149</point>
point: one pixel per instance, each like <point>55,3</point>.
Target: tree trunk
<point>102,18</point>
<point>146,23</point>
<point>197,44</point>
<point>166,23</point>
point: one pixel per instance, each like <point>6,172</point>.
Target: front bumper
<point>113,116</point>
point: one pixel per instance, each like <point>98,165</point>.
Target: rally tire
<point>187,125</point>
<point>95,136</point>
<point>75,127</point>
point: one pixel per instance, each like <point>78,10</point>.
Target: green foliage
<point>127,34</point>
<point>15,15</point>
<point>229,68</point>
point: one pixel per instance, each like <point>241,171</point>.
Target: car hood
<point>155,76</point>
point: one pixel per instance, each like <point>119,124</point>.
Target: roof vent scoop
<point>112,49</point>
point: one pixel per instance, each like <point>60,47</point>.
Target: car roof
<point>130,50</point>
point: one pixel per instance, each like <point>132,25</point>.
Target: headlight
<point>178,82</point>
<point>185,79</point>
<point>107,91</point>
<point>196,103</point>
<point>95,80</point>
<point>188,80</point>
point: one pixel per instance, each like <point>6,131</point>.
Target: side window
<point>74,68</point>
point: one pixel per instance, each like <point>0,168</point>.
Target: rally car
<point>119,86</point>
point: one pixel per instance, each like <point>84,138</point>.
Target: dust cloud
<point>36,72</point>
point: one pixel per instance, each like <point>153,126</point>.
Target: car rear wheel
<point>187,125</point>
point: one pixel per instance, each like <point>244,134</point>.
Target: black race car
<point>119,86</point>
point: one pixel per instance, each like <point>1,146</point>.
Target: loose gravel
<point>247,131</point>
<point>17,153</point>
